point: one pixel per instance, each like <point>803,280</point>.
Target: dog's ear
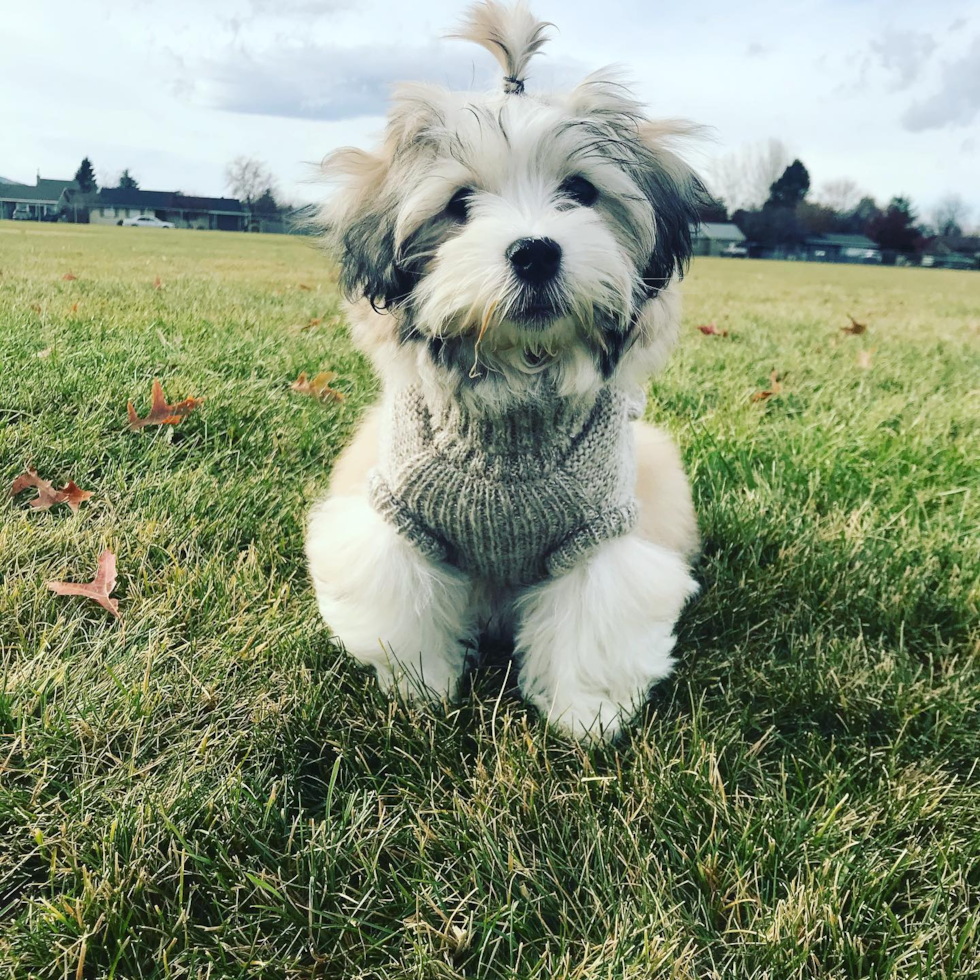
<point>360,219</point>
<point>676,195</point>
<point>358,229</point>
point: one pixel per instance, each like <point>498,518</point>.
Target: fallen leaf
<point>74,308</point>
<point>36,307</point>
<point>158,283</point>
<point>315,322</point>
<point>99,588</point>
<point>318,387</point>
<point>864,358</point>
<point>69,277</point>
<point>775,388</point>
<point>74,496</point>
<point>43,353</point>
<point>160,412</point>
<point>855,328</point>
<point>304,287</point>
<point>47,496</point>
<point>710,330</point>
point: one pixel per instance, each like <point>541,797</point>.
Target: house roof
<point>134,197</point>
<point>964,244</point>
<point>129,197</point>
<point>28,194</point>
<point>721,231</point>
<point>842,241</point>
<point>230,204</point>
<point>55,187</point>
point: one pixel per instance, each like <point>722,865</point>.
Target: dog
<point>510,261</point>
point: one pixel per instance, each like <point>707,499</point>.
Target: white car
<point>145,221</point>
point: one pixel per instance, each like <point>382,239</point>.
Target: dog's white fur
<point>592,642</point>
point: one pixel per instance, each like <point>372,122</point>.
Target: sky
<point>885,92</point>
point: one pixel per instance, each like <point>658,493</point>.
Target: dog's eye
<point>580,190</point>
<point>459,204</point>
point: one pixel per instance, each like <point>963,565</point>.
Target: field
<point>209,788</point>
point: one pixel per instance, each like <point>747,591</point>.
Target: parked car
<point>145,221</point>
<point>733,250</point>
<point>22,213</point>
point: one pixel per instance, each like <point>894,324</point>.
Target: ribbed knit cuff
<point>403,521</point>
<point>613,523</point>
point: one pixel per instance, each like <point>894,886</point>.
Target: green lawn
<point>209,788</point>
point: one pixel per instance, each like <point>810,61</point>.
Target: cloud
<point>757,50</point>
<point>957,101</point>
<point>903,54</point>
<point>333,83</point>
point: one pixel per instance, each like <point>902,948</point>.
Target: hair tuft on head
<point>511,33</point>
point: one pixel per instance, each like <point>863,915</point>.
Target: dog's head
<point>548,220</point>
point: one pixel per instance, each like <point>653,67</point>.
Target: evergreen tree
<point>127,180</point>
<point>85,177</point>
<point>894,229</point>
<point>791,188</point>
<point>266,203</point>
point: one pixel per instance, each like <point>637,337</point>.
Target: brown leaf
<point>318,387</point>
<point>99,588</point>
<point>864,359</point>
<point>304,287</point>
<point>710,330</point>
<point>315,322</point>
<point>74,496</point>
<point>47,496</point>
<point>855,328</point>
<point>36,307</point>
<point>775,388</point>
<point>69,277</point>
<point>158,283</point>
<point>74,308</point>
<point>160,412</point>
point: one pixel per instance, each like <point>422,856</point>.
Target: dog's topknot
<point>511,33</point>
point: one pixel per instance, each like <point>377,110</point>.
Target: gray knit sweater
<point>513,499</point>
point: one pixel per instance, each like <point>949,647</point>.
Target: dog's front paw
<point>594,641</point>
<point>423,679</point>
<point>391,607</point>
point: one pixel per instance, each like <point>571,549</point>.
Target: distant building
<point>38,202</point>
<point>842,248</point>
<point>718,238</point>
<point>112,205</point>
<point>961,252</point>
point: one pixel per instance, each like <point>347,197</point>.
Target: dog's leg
<point>592,642</point>
<point>393,608</point>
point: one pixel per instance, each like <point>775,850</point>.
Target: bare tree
<point>842,194</point>
<point>248,179</point>
<point>951,215</point>
<point>743,177</point>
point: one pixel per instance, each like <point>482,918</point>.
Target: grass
<point>213,790</point>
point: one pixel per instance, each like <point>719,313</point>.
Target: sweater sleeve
<point>403,520</point>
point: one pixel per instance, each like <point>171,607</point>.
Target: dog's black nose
<point>535,260</point>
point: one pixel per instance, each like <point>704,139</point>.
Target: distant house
<point>40,201</point>
<point>962,252</point>
<point>842,248</point>
<point>717,238</point>
<point>112,205</point>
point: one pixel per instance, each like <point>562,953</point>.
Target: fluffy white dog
<point>510,260</point>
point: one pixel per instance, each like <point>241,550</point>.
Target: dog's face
<point>548,221</point>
